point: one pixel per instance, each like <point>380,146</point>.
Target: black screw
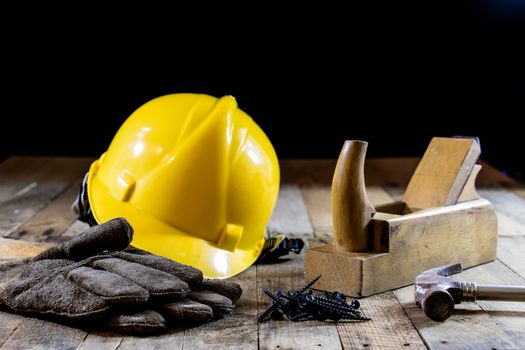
<point>298,306</point>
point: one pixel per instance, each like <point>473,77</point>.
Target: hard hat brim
<point>159,238</point>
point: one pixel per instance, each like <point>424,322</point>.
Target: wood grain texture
<point>442,173</point>
<point>46,178</point>
<point>319,206</point>
<point>14,249</point>
<point>75,229</point>
<point>510,252</point>
<point>38,334</point>
<point>286,334</point>
<point>12,189</point>
<point>8,324</point>
<point>51,221</point>
<point>173,339</point>
<point>508,226</point>
<point>101,341</point>
<point>289,215</point>
<point>506,202</point>
<point>389,327</point>
<point>23,206</point>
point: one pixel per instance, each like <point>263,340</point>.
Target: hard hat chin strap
<point>278,246</point>
<point>81,205</point>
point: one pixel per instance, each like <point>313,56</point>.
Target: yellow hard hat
<point>197,179</point>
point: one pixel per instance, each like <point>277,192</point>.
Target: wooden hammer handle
<point>351,209</point>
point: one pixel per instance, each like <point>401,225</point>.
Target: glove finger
<point>220,304</point>
<point>141,322</point>
<point>161,285</point>
<point>36,290</point>
<point>227,288</point>
<point>186,273</point>
<point>186,311</point>
<point>111,235</point>
<point>110,286</point>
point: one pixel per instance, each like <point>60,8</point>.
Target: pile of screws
<point>302,305</point>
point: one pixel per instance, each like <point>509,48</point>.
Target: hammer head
<point>436,293</point>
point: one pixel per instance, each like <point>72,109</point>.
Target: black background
<point>394,73</point>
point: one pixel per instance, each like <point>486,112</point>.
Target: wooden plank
<point>319,206</point>
<point>290,216</point>
<point>237,331</point>
<point>14,249</point>
<point>389,327</point>
<point>234,332</point>
<point>22,207</point>
<point>300,335</point>
<point>508,226</point>
<point>47,178</point>
<point>101,341</point>
<point>505,202</point>
<point>11,189</point>
<point>468,328</point>
<point>8,324</point>
<point>35,334</point>
<point>286,334</point>
<point>173,339</point>
<point>48,224</point>
<point>510,252</point>
<point>75,229</point>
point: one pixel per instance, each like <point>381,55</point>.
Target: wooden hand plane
<point>441,220</point>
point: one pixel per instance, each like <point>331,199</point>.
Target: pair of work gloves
<point>98,279</point>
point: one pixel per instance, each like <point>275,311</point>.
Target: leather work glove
<point>98,279</point>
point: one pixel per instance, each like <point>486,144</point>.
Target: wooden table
<point>35,198</point>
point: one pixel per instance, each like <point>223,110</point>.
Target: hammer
<point>436,293</point>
